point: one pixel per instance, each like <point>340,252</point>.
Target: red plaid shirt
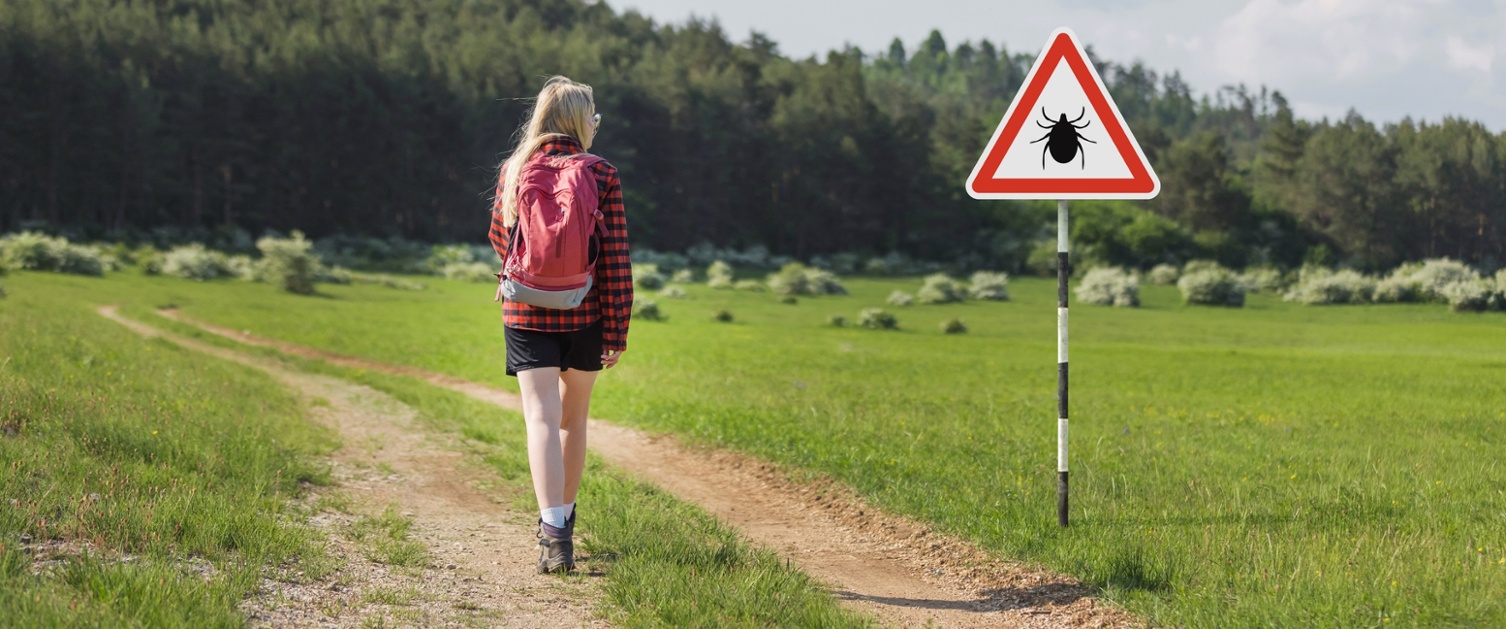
<point>611,296</point>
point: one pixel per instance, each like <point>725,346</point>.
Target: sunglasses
<point>596,119</point>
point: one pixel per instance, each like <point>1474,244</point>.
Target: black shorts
<point>528,349</point>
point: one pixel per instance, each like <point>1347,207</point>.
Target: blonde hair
<point>563,109</point>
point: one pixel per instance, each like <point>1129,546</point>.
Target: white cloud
<point>1271,41</point>
<point>1462,56</point>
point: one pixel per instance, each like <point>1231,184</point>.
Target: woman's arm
<point>614,273</point>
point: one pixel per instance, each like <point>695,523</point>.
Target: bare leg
<point>541,413</point>
<point>575,400</point>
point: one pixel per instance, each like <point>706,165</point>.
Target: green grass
<point>1271,465</point>
<point>666,562</point>
<point>140,457</point>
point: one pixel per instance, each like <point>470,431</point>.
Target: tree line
<point>388,118</point>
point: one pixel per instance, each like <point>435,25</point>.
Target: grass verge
<point>144,485</point>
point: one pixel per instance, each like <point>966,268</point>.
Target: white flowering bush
<point>672,292</point>
<point>940,289</point>
<point>194,262</point>
<point>719,275</point>
<point>81,260</point>
<point>342,275</point>
<point>682,276</point>
<point>469,272</point>
<point>797,279</point>
<point>290,262</point>
<point>1435,276</point>
<point>752,286</point>
<point>35,251</point>
<point>1471,295</point>
<point>953,326</point>
<point>1109,286</point>
<point>988,285</point>
<point>900,298</point>
<point>648,311</point>
<point>1212,286</point>
<point>32,251</point>
<point>877,319</point>
<point>824,282</point>
<point>1342,287</point>
<point>1163,274</point>
<point>647,276</point>
<point>1263,279</point>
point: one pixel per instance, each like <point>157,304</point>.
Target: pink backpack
<point>549,261</point>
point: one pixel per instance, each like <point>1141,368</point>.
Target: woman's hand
<point>609,358</point>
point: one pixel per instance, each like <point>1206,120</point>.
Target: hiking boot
<point>556,548</point>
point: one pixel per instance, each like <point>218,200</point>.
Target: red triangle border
<point>1142,182</point>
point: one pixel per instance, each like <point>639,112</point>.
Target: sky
<point>1386,59</point>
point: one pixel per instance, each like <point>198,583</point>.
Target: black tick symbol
<point>1063,139</point>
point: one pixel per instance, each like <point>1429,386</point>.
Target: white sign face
<point>1062,137</point>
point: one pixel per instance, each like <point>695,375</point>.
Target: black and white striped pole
<point>1063,268</point>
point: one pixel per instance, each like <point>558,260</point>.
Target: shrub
<point>754,286</point>
<point>39,252</point>
<point>989,285</point>
<point>81,260</point>
<point>900,298</point>
<point>683,276</point>
<point>149,259</point>
<point>3,294</point>
<point>841,263</point>
<point>1470,295</point>
<point>1501,280</point>
<point>647,276</point>
<point>789,300</point>
<point>1399,287</point>
<point>244,268</point>
<point>1436,275</point>
<point>1216,286</point>
<point>719,275</point>
<point>1163,275</point>
<point>469,272</point>
<point>342,275</point>
<point>665,262</point>
<point>877,319</point>
<point>442,256</point>
<point>194,262</point>
<point>940,289</point>
<point>648,311</point>
<point>1343,287</point>
<point>1262,278</point>
<point>790,280</point>
<point>836,321</point>
<point>1111,286</point>
<point>823,282</point>
<point>953,326</point>
<point>290,262</point>
<point>724,316</point>
<point>672,292</point>
<point>32,251</point>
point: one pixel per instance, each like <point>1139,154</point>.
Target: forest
<point>388,118</point>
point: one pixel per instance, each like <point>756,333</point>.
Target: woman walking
<point>559,226</point>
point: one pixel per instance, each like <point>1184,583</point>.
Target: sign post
<point>1078,147</point>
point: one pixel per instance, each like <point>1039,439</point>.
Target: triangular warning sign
<point>1062,137</point>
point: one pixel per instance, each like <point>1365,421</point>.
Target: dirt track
<point>896,569</point>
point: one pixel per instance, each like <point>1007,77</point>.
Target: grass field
<point>138,463</point>
<point>1271,465</point>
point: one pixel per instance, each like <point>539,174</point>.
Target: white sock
<point>553,516</point>
<point>569,510</point>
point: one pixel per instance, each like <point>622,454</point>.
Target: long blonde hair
<point>563,109</point>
